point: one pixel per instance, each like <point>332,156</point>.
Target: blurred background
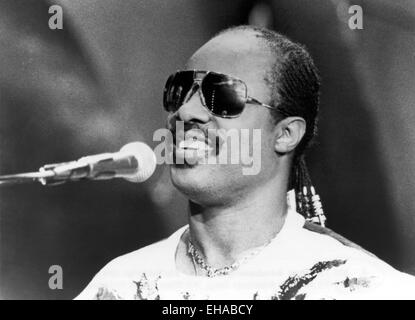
<point>97,84</point>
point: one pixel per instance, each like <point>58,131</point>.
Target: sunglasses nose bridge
<point>192,108</point>
<point>193,89</point>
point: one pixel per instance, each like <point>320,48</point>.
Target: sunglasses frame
<point>198,78</point>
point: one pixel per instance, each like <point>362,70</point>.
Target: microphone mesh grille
<point>146,160</point>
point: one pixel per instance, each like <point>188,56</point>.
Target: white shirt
<point>297,264</point>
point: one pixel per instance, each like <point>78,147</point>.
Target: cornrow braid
<point>295,84</point>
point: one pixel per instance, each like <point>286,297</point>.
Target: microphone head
<point>146,159</point>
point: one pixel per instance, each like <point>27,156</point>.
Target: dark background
<point>97,84</point>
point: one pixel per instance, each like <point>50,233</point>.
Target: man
<point>244,239</point>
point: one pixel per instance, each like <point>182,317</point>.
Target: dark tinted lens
<point>176,88</point>
<point>224,96</point>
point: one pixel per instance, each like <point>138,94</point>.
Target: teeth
<point>193,145</point>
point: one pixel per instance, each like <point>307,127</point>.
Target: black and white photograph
<point>223,151</point>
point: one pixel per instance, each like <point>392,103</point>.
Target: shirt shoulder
<point>339,269</point>
<point>119,277</point>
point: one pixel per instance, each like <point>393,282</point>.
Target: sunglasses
<point>224,96</point>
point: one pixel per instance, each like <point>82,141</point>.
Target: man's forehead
<point>240,54</point>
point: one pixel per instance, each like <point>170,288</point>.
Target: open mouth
<point>192,147</point>
<point>195,145</point>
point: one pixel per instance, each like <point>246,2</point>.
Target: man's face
<point>243,56</point>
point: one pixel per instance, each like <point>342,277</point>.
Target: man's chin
<point>190,176</point>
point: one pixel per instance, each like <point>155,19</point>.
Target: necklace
<point>211,271</point>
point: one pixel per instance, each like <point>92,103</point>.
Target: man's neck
<point>224,233</point>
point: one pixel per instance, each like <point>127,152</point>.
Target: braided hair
<point>295,84</point>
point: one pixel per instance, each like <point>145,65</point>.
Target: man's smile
<point>192,146</point>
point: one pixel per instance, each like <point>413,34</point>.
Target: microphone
<point>135,162</point>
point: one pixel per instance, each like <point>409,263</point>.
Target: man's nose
<point>192,109</point>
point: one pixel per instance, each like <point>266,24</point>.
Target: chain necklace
<point>212,271</point>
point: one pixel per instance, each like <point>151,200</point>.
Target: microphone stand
<point>27,177</point>
<point>50,174</point>
<point>95,167</point>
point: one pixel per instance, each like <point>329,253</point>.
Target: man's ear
<point>289,133</point>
